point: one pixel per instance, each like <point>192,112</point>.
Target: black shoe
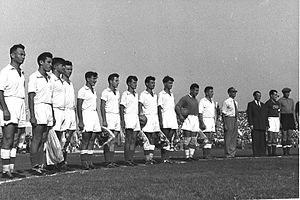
<point>7,175</point>
<point>129,163</point>
<point>91,165</point>
<point>85,165</point>
<point>188,160</point>
<point>37,171</point>
<point>193,159</point>
<point>149,162</point>
<point>110,165</point>
<point>17,175</point>
<point>167,161</point>
<point>115,164</point>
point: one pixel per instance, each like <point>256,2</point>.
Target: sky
<point>248,44</point>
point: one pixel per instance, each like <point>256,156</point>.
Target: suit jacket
<point>257,115</point>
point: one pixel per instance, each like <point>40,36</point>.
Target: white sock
<point>5,168</point>
<point>187,153</point>
<point>11,167</point>
<point>191,151</point>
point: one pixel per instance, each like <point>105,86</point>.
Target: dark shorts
<point>287,121</point>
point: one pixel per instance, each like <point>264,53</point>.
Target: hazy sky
<point>248,44</point>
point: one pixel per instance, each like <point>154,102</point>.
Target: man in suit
<point>258,122</point>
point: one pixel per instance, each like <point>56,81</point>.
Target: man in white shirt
<point>166,115</point>
<point>207,117</point>
<point>110,113</point>
<point>230,116</point>
<point>12,104</point>
<point>129,118</point>
<point>148,107</point>
<point>41,110</point>
<point>70,115</point>
<point>88,119</point>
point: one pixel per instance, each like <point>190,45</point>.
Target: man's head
<point>68,68</point>
<point>113,80</point>
<point>194,89</point>
<point>232,92</point>
<point>17,54</point>
<point>45,61</point>
<point>58,64</point>
<point>209,91</point>
<point>91,78</point>
<point>150,82</point>
<point>286,92</point>
<point>257,95</point>
<point>132,82</point>
<point>273,95</point>
<point>168,82</point>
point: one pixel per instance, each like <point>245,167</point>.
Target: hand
<point>202,126</point>
<point>33,121</point>
<point>104,124</point>
<point>6,115</point>
<point>181,118</point>
<point>251,127</point>
<point>54,121</point>
<point>80,126</point>
<point>123,125</point>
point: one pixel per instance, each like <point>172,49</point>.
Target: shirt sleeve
<point>224,107</point>
<point>159,101</point>
<point>201,106</point>
<point>104,95</point>
<point>81,94</point>
<point>31,84</point>
<point>142,98</point>
<point>3,80</point>
<point>124,99</point>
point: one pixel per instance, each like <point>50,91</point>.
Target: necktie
<point>235,109</point>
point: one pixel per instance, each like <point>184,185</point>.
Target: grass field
<point>241,178</point>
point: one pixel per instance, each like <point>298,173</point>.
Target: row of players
<point>51,101</point>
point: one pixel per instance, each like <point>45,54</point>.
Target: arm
<point>79,114</point>
<point>6,113</point>
<point>140,108</point>
<point>54,121</point>
<point>178,110</point>
<point>122,107</point>
<point>159,110</point>
<point>249,116</point>
<point>103,114</point>
<point>201,123</point>
<point>32,120</point>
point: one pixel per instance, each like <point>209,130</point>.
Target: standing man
<point>148,107</point>
<point>70,115</point>
<point>40,90</point>
<point>129,118</point>
<point>110,107</point>
<point>187,111</point>
<point>274,122</point>
<point>167,115</point>
<point>88,119</point>
<point>207,117</point>
<point>230,116</point>
<point>258,122</point>
<point>12,104</point>
<point>287,120</point>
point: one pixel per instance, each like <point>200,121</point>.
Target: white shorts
<point>16,107</point>
<point>91,121</point>
<point>70,116</point>
<point>43,114</point>
<point>152,124</point>
<point>191,123</point>
<point>113,121</point>
<point>132,122</point>
<point>169,120</point>
<point>210,124</point>
<point>59,119</point>
<point>274,124</point>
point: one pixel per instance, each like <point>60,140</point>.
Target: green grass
<point>242,178</point>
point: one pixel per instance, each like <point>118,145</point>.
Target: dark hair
<point>43,57</point>
<point>112,76</point>
<point>193,86</point>
<point>167,79</point>
<point>206,89</point>
<point>272,92</point>
<point>90,74</point>
<point>255,92</point>
<point>149,78</point>
<point>57,61</point>
<point>130,78</point>
<point>15,47</point>
<point>67,62</point>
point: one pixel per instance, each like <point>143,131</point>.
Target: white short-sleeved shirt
<point>207,108</point>
<point>130,102</point>
<point>228,108</point>
<point>41,86</point>
<point>70,95</point>
<point>112,100</point>
<point>89,98</point>
<point>11,83</point>
<point>58,93</point>
<point>149,103</point>
<point>166,101</point>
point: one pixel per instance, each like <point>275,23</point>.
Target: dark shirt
<point>189,103</point>
<point>273,108</point>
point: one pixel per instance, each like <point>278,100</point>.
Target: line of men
<point>51,101</point>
